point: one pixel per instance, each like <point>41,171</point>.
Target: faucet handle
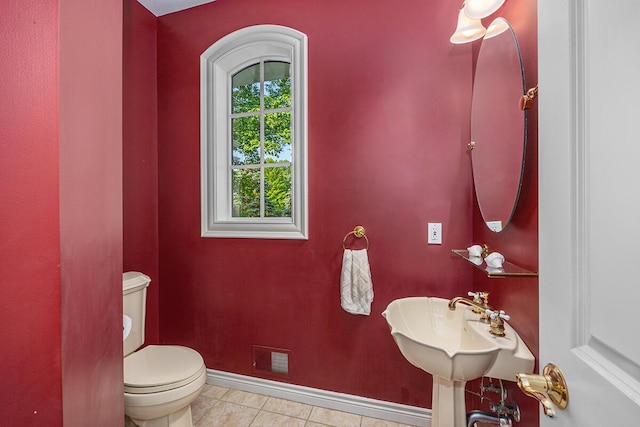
<point>494,314</point>
<point>496,324</point>
<point>481,298</point>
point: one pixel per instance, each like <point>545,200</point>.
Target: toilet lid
<point>161,367</point>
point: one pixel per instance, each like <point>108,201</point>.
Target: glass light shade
<point>467,30</point>
<point>498,26</point>
<point>478,9</point>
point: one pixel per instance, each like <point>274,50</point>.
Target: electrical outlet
<point>435,233</point>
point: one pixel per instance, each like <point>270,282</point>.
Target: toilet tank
<point>134,298</point>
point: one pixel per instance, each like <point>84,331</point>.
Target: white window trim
<point>225,57</point>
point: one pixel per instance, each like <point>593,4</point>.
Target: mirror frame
<point>498,126</point>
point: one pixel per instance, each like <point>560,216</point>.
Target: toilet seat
<point>158,368</point>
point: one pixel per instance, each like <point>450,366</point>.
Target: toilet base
<point>172,407</point>
<point>180,418</point>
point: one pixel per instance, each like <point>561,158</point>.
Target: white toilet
<point>160,381</point>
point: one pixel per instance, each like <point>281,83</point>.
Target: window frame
<point>218,64</point>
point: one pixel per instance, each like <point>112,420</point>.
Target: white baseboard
<point>389,411</point>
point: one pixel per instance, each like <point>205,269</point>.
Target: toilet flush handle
<point>126,326</point>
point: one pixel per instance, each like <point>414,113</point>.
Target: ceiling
<point>163,7</point>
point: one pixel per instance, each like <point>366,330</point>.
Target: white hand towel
<point>356,287</point>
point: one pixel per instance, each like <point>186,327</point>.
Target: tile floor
<point>223,407</point>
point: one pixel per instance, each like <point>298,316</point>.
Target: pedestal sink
<point>454,346</point>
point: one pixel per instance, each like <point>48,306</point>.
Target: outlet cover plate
<point>435,233</point>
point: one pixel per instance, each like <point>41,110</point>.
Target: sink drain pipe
<point>501,414</point>
<point>474,417</point>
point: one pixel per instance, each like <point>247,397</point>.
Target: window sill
<point>248,230</point>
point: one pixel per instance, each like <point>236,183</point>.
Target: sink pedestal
<point>448,404</point>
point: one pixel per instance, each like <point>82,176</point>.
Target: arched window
<point>254,134</point>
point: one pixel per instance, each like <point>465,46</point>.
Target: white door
<point>589,206</point>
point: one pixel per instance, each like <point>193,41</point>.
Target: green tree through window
<point>261,164</point>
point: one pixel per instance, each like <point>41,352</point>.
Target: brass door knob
<point>548,388</point>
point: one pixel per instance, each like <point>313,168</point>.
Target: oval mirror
<point>498,125</point>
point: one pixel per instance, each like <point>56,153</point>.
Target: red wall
<point>30,346</point>
<point>140,153</point>
<point>389,101</point>
<point>519,241</point>
<point>61,216</point>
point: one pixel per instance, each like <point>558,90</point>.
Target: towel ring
<point>358,231</point>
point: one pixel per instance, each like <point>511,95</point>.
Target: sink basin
<point>454,344</point>
<point>438,340</point>
<point>455,347</point>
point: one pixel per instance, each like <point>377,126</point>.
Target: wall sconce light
<point>478,9</point>
<point>467,30</point>
<point>498,26</point>
<point>470,27</point>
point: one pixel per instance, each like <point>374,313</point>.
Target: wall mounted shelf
<point>508,269</point>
